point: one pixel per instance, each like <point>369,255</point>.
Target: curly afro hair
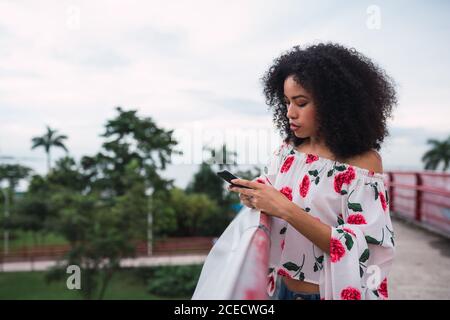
<point>353,96</point>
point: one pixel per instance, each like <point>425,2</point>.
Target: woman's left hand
<point>264,197</point>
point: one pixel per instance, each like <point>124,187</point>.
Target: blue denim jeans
<point>285,294</point>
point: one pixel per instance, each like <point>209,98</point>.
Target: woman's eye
<point>287,103</point>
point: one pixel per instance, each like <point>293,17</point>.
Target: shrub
<point>174,281</point>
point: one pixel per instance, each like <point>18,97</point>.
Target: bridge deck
<point>421,268</point>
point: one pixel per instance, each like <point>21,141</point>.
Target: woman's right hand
<point>245,200</point>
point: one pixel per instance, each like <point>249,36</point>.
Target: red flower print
<point>287,191</point>
<point>283,273</point>
<point>338,182</point>
<point>304,186</point>
<point>282,245</point>
<point>349,174</point>
<point>337,250</point>
<point>287,164</point>
<point>271,284</point>
<point>350,293</point>
<point>382,289</point>
<point>371,173</point>
<point>349,231</point>
<point>344,177</point>
<point>260,180</point>
<point>311,158</point>
<point>383,201</point>
<point>356,219</point>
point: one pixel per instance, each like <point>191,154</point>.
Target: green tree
<point>101,233</point>
<point>130,138</point>
<point>104,202</point>
<point>438,153</point>
<point>47,141</point>
<point>67,174</point>
<point>31,213</point>
<point>35,213</point>
<point>12,174</point>
<point>196,214</point>
<point>164,215</point>
<point>206,181</point>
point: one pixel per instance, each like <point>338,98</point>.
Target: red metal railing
<point>423,197</point>
<point>169,246</point>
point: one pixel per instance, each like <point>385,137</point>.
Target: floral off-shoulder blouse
<point>354,202</point>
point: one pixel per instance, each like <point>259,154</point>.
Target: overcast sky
<point>195,66</point>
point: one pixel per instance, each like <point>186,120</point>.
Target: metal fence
<point>421,197</point>
<point>168,246</point>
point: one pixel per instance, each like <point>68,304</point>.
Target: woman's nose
<point>291,113</point>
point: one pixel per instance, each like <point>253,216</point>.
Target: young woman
<point>331,233</point>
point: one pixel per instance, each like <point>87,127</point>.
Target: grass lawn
<point>26,238</point>
<point>31,285</point>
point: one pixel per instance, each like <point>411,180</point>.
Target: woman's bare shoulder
<point>370,160</point>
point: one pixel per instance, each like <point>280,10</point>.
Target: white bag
<point>222,266</point>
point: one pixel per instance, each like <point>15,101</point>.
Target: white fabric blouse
<point>350,199</point>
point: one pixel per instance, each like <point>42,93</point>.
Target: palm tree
<point>12,173</point>
<point>50,139</point>
<point>439,152</point>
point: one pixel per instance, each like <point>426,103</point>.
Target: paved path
<point>137,262</point>
<point>421,269</point>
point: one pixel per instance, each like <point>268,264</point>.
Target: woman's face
<point>300,109</point>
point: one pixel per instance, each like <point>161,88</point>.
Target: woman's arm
<point>272,202</point>
<point>311,227</point>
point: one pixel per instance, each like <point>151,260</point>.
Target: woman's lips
<point>294,127</point>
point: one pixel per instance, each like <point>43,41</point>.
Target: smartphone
<point>228,176</point>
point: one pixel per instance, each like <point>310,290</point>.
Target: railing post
<point>391,192</point>
<point>419,193</point>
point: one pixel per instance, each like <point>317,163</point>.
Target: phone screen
<point>228,176</point>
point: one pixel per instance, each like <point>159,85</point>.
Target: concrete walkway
<point>421,268</point>
<point>137,262</point>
